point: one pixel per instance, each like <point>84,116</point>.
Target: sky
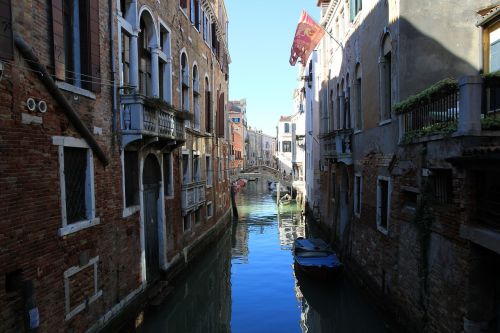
<point>260,38</point>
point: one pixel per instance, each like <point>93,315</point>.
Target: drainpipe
<point>113,73</point>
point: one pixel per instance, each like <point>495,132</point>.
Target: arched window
<point>385,70</point>
<point>208,107</point>
<point>347,101</point>
<point>337,109</point>
<point>331,114</point>
<point>144,59</point>
<point>196,98</point>
<point>184,83</point>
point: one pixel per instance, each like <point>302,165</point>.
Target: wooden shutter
<point>220,116</point>
<point>95,67</point>
<point>58,36</point>
<point>6,48</point>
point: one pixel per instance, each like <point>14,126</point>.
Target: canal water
<point>246,282</point>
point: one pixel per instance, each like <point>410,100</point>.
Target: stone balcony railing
<point>337,145</point>
<point>192,196</point>
<point>141,119</point>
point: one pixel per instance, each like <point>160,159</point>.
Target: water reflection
<point>260,292</point>
<point>201,301</point>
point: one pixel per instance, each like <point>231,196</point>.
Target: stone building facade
<point>115,154</point>
<point>237,121</point>
<point>400,182</point>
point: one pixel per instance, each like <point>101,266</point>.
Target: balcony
<point>144,117</point>
<point>192,196</point>
<point>337,146</point>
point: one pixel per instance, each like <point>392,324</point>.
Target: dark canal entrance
<point>246,283</point>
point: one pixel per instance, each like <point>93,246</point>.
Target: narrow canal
<point>246,283</point>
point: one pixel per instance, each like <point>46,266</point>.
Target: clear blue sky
<point>260,37</point>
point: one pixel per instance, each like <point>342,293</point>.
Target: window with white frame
<point>358,191</point>
<point>287,128</point>
<point>131,171</point>
<point>384,191</point>
<point>208,170</point>
<point>355,7</point>
<point>183,4</point>
<point>76,176</point>
<point>168,175</point>
<point>125,59</point>
<point>385,79</point>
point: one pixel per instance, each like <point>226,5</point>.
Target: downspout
<point>113,73</point>
<point>53,89</point>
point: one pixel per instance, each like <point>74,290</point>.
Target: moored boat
<point>315,258</point>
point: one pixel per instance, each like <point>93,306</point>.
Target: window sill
<point>385,122</point>
<point>358,132</point>
<point>209,186</point>
<point>74,227</point>
<point>383,230</point>
<point>127,211</point>
<point>169,197</point>
<point>75,90</point>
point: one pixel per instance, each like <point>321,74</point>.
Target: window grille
<point>75,170</point>
<point>443,186</point>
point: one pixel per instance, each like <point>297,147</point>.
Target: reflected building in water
<point>202,301</point>
<point>291,225</point>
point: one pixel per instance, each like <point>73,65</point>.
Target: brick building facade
<point>400,179</point>
<point>114,169</point>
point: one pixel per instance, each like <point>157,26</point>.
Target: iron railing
<point>491,97</point>
<point>438,110</point>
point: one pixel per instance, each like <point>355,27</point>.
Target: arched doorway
<point>151,178</point>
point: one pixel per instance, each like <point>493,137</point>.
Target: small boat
<point>271,185</point>
<point>315,258</point>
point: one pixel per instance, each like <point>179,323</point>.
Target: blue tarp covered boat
<point>315,257</point>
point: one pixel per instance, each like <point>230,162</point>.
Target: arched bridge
<point>264,171</point>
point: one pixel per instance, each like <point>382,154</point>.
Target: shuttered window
<point>131,164</point>
<point>75,178</point>
<point>76,42</point>
<point>220,116</point>
<point>6,47</point>
<point>355,7</point>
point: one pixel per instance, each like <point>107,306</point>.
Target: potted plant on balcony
<point>160,104</point>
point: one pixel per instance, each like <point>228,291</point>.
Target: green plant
<point>160,104</point>
<point>491,77</point>
<point>437,90</point>
<point>443,128</point>
<point>490,123</point>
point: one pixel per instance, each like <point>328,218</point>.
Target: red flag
<point>307,36</point>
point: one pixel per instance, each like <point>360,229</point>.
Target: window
<point>208,107</point>
<point>196,168</point>
<point>186,176</point>
<point>210,209</point>
<point>287,146</point>
<point>183,5</point>
<point>131,165</point>
<point>358,185</point>
<point>165,70</point>
<point>221,116</point>
<point>76,43</point>
<point>196,98</point>
<point>384,189</point>
<point>168,175</point>
<point>6,38</point>
<point>385,80</point>
<point>76,176</point>
<point>206,27</point>
<point>355,7</point>
<point>195,14</point>
<point>125,65</point>
<point>358,100</point>
<point>495,56</point>
<point>184,83</point>
<point>219,169</point>
<point>145,85</point>
<point>333,181</point>
<point>208,170</point>
<point>410,200</point>
<point>347,103</point>
<point>443,186</point>
<point>235,120</point>
<point>287,128</point>
<point>124,6</point>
